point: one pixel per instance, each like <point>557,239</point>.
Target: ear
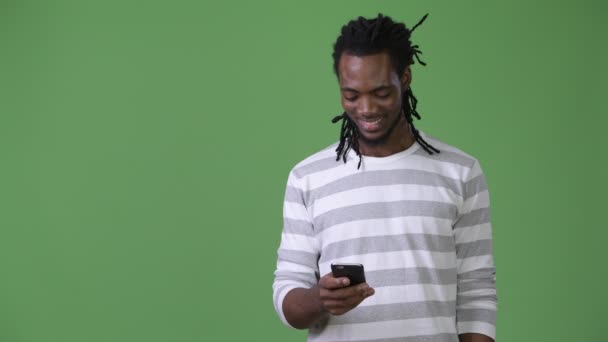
<point>406,78</point>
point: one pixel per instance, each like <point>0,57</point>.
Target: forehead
<point>366,71</point>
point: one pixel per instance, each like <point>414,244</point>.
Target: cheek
<point>349,107</point>
<point>394,106</point>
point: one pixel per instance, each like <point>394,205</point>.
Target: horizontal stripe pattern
<point>298,257</point>
<point>408,276</point>
<point>475,263</point>
<point>387,243</point>
<point>318,166</point>
<point>417,292</point>
<point>420,225</point>
<point>298,242</point>
<point>304,278</point>
<point>475,248</point>
<point>419,338</point>
<point>447,157</point>
<point>475,186</point>
<point>421,161</point>
<point>473,233</point>
<point>382,178</point>
<point>475,217</point>
<point>397,311</point>
<point>477,315</point>
<point>396,260</point>
<point>293,195</point>
<point>477,273</point>
<point>384,210</point>
<point>478,284</point>
<point>385,330</point>
<point>299,227</point>
<point>464,300</point>
<point>390,226</point>
<point>384,193</point>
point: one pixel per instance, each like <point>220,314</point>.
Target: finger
<point>338,311</point>
<point>329,282</point>
<point>345,293</point>
<point>336,307</point>
<point>357,298</point>
<point>339,307</point>
<point>334,304</point>
<point>336,294</point>
<point>344,303</point>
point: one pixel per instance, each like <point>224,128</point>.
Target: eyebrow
<point>382,87</point>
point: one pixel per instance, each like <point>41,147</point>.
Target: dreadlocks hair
<point>364,37</point>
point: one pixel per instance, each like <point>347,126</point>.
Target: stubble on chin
<point>383,139</point>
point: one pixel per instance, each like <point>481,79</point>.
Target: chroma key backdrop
<point>145,148</point>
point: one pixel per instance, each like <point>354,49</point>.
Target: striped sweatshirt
<point>420,225</point>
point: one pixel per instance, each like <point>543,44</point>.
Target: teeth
<point>372,121</point>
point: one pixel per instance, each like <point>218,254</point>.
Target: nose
<point>366,106</point>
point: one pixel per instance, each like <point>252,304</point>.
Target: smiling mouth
<point>370,124</point>
<point>372,121</point>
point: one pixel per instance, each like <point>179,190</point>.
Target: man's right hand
<point>303,307</point>
<point>338,297</point>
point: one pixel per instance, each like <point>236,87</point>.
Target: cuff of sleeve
<point>477,328</point>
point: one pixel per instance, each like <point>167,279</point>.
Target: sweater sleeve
<point>298,254</point>
<point>476,295</point>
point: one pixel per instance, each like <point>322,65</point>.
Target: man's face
<point>372,94</point>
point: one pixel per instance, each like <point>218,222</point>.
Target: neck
<point>400,139</point>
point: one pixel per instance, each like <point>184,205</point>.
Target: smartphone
<point>354,272</point>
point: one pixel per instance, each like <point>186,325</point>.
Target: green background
<point>145,148</point>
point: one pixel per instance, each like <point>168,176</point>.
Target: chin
<point>377,138</point>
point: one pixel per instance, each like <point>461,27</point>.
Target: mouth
<point>370,124</point>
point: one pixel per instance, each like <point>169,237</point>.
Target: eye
<point>350,98</point>
<point>383,94</point>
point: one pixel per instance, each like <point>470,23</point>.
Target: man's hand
<point>338,297</point>
<point>303,307</point>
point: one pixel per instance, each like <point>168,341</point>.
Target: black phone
<point>354,272</point>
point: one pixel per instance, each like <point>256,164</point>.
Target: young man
<point>413,210</point>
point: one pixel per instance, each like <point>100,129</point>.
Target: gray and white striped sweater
<point>420,225</point>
